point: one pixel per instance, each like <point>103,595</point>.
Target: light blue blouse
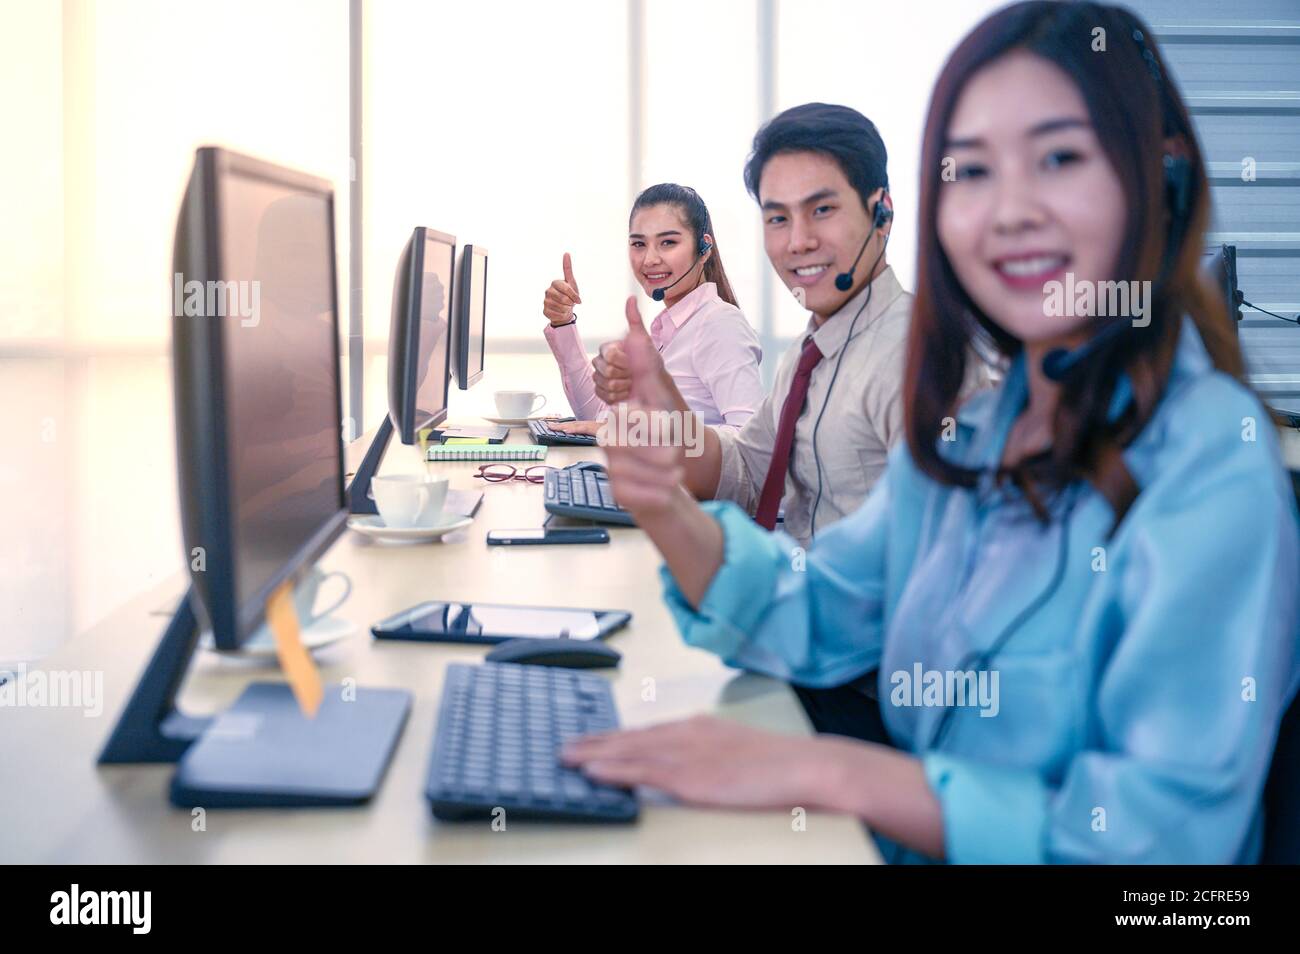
<point>1130,713</point>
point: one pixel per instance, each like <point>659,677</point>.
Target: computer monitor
<point>257,392</point>
<point>1220,266</point>
<point>256,381</point>
<point>419,345</point>
<point>470,335</point>
<point>419,360</point>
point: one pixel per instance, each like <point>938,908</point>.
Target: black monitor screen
<point>1220,266</point>
<point>477,313</point>
<point>434,328</point>
<point>281,377</point>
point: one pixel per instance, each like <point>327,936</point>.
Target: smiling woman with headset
<point>1079,588</point>
<point>701,336</point>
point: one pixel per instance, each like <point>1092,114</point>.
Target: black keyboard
<point>500,729</point>
<point>544,434</point>
<point>583,493</point>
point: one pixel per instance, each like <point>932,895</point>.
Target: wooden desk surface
<point>56,805</point>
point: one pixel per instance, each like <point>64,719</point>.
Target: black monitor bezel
<point>421,236</point>
<point>1220,262</point>
<point>463,378</point>
<point>202,429</point>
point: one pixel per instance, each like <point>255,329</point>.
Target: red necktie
<point>769,501</point>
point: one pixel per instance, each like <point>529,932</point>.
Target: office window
<point>31,204</point>
<point>1239,72</point>
<point>147,82</point>
<point>105,105</point>
<point>881,59</point>
<point>700,111</point>
<point>506,125</point>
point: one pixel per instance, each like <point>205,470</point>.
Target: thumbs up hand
<point>610,370</point>
<point>642,437</point>
<point>611,374</point>
<point>561,296</point>
<point>646,366</point>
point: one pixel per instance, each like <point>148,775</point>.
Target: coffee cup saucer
<point>514,421</point>
<point>373,526</point>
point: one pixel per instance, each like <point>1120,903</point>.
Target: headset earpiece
<point>1179,183</point>
<point>883,213</point>
<point>1178,188</point>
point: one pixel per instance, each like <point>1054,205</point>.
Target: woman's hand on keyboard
<point>577,427</point>
<point>716,762</point>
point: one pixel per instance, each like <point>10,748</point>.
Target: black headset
<point>704,248</point>
<point>843,282</point>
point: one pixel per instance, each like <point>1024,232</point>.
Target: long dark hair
<point>1134,106</point>
<point>687,201</point>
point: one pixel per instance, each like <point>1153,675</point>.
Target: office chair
<point>1282,794</point>
<point>1282,789</point>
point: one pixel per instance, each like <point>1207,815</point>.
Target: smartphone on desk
<point>443,622</point>
<point>547,535</point>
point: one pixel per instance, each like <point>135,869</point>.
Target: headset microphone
<point>1059,362</point>
<point>658,293</point>
<point>844,280</point>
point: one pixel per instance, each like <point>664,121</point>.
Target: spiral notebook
<point>487,452</point>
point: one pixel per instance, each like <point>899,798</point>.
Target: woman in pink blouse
<point>703,338</point>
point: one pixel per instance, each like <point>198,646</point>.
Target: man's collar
<point>834,331</point>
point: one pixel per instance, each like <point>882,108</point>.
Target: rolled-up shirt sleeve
<point>575,372</point>
<point>746,454</point>
<point>814,618</point>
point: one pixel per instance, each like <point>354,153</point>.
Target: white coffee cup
<point>409,500</point>
<point>517,404</point>
<point>308,589</point>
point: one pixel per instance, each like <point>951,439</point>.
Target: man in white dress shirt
<point>818,174</point>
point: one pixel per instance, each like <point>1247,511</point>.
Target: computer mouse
<point>586,465</point>
<point>570,653</point>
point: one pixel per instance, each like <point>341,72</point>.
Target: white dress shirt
<point>862,421</point>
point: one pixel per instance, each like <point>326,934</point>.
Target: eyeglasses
<point>495,473</point>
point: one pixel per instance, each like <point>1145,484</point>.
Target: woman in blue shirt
<point>1079,589</point>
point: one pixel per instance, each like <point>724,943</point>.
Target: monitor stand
<point>359,499</point>
<point>262,751</point>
